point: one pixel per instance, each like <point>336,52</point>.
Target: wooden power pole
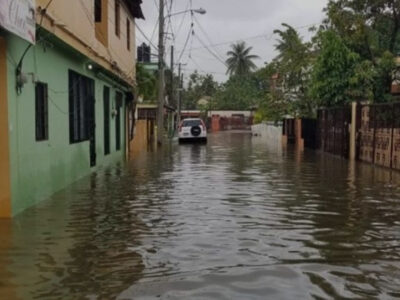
<point>161,77</point>
<point>179,93</point>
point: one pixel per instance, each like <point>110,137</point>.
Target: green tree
<point>271,109</point>
<point>171,91</point>
<point>294,65</point>
<point>271,105</point>
<point>370,28</point>
<point>238,93</point>
<point>146,83</point>
<point>199,86</point>
<point>333,71</point>
<point>240,61</point>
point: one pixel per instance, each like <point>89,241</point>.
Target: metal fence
<point>378,134</point>
<point>309,133</point>
<point>288,130</point>
<point>297,130</point>
<point>333,130</point>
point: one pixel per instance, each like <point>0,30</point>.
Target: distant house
<point>204,102</point>
<point>219,120</point>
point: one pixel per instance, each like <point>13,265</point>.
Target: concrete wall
<point>221,113</point>
<point>229,113</point>
<point>5,192</point>
<point>38,169</point>
<point>8,288</point>
<point>140,142</point>
<point>269,132</point>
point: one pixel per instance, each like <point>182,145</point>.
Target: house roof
<point>275,76</point>
<point>135,9</point>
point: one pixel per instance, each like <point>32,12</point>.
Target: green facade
<point>39,169</point>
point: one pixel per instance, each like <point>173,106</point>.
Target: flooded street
<point>234,219</point>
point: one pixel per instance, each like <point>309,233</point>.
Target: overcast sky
<point>226,21</point>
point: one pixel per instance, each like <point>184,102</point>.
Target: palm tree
<point>240,61</point>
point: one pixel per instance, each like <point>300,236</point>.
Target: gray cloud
<point>230,20</point>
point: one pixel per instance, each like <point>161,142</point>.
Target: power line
<point>183,19</point>
<point>196,64</point>
<point>191,32</point>
<point>91,21</point>
<point>154,29</point>
<point>19,65</point>
<point>158,20</point>
<point>144,35</point>
<point>109,49</point>
<point>169,9</point>
<point>155,2</point>
<point>209,50</point>
<point>191,45</point>
<point>203,71</point>
<point>266,36</point>
<point>207,36</point>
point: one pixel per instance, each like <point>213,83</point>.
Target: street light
<point>161,91</point>
<point>200,11</point>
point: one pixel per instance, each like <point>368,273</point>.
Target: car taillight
<point>203,125</point>
<point>180,127</point>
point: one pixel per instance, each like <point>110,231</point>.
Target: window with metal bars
<point>41,112</point>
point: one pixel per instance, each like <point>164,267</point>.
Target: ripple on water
<point>234,219</point>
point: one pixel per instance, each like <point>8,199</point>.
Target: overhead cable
<point>145,36</point>
<point>211,52</point>
<point>265,36</point>
<point>191,33</point>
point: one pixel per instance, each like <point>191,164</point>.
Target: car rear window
<point>191,123</point>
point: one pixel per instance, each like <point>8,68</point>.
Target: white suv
<point>192,130</point>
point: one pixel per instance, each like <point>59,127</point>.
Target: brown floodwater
<point>234,219</point>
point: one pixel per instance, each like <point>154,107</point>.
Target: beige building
<point>102,30</point>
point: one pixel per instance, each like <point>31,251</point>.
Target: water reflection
<point>78,245</point>
<point>234,219</point>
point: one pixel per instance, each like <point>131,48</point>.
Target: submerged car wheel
<point>195,131</point>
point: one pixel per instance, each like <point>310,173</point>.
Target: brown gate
<point>309,132</point>
<point>333,130</point>
<point>288,130</point>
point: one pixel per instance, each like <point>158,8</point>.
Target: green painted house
<point>65,95</point>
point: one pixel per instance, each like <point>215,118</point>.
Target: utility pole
<point>172,75</point>
<point>161,75</point>
<point>172,102</point>
<point>179,93</point>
